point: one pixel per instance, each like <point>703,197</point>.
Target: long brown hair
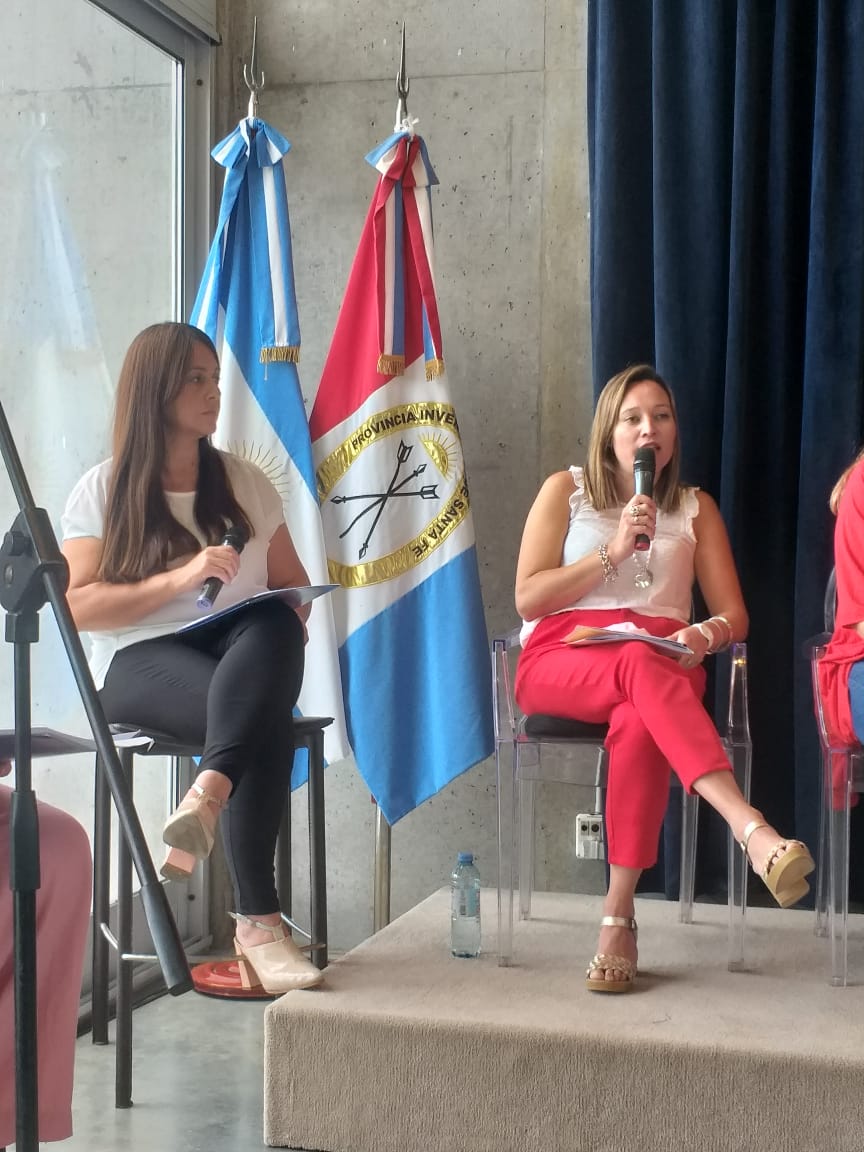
<point>601,466</point>
<point>837,490</point>
<point>141,536</point>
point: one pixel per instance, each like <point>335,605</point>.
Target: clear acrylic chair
<point>520,742</point>
<point>842,778</point>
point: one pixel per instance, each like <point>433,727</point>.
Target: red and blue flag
<point>395,506</point>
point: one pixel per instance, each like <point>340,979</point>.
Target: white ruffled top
<point>670,559</point>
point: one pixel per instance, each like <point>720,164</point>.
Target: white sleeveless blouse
<point>670,560</point>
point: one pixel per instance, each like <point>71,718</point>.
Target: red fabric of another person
<point>846,647</point>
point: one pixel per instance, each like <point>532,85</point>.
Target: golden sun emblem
<point>267,461</point>
<point>439,453</point>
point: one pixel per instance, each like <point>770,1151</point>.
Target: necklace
<point>644,577</point>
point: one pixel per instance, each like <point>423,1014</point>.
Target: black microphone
<point>644,463</point>
<point>235,537</point>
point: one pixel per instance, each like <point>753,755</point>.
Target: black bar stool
<point>309,734</point>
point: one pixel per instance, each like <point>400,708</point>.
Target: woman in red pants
<point>579,565</point>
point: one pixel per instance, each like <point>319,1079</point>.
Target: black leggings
<point>230,687</point>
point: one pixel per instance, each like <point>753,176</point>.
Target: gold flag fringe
<point>391,365</point>
<point>434,368</point>
<point>281,355</point>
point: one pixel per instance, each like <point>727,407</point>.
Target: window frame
<point>193,195</point>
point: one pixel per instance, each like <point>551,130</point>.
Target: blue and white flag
<point>394,500</point>
<point>246,305</point>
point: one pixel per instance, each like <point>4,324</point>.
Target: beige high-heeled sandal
<point>604,962</point>
<point>192,826</point>
<point>786,865</point>
<point>276,966</point>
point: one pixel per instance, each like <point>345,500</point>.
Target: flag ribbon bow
<point>253,151</point>
<point>402,205</point>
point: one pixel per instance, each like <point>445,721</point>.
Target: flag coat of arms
<point>395,506</point>
<point>247,306</point>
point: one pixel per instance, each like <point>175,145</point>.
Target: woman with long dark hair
<point>579,565</point>
<point>142,532</point>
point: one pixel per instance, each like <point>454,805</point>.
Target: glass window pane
<point>87,259</point>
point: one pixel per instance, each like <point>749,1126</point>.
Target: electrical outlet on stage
<point>589,836</point>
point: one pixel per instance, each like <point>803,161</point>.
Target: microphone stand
<point>33,570</point>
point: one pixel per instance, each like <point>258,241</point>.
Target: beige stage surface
<point>407,1049</point>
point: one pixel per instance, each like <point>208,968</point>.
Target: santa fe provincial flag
<point>394,502</point>
<point>246,305</point>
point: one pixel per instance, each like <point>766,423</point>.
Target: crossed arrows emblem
<point>378,500</point>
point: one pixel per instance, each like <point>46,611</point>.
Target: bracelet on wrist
<point>709,636</point>
<point>729,635</point>
<point>717,642</point>
<point>610,572</point>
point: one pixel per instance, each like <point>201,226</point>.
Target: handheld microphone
<point>644,463</point>
<point>235,537</point>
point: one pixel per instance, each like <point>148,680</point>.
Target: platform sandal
<point>786,865</point>
<point>604,962</point>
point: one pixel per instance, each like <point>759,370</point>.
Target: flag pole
<point>403,86</point>
<point>386,363</point>
<point>252,76</point>
<point>381,899</point>
<point>382,874</point>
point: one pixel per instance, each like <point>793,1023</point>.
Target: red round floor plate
<point>222,978</point>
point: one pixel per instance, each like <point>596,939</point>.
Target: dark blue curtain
<point>726,151</point>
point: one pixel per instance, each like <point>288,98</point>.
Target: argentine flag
<point>246,305</point>
<point>394,501</point>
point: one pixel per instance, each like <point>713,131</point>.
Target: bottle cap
<point>465,858</point>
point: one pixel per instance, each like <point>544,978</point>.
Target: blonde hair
<point>837,490</point>
<point>601,465</point>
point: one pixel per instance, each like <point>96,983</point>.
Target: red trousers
<point>653,708</point>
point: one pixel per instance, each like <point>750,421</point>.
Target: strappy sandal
<point>192,825</point>
<point>603,962</point>
<point>788,862</point>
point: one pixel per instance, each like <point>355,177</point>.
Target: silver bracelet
<point>610,572</point>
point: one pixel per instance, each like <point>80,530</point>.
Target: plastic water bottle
<point>465,907</point>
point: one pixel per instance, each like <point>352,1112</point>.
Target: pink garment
<point>62,917</point>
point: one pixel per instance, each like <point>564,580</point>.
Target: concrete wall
<point>499,92</point>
